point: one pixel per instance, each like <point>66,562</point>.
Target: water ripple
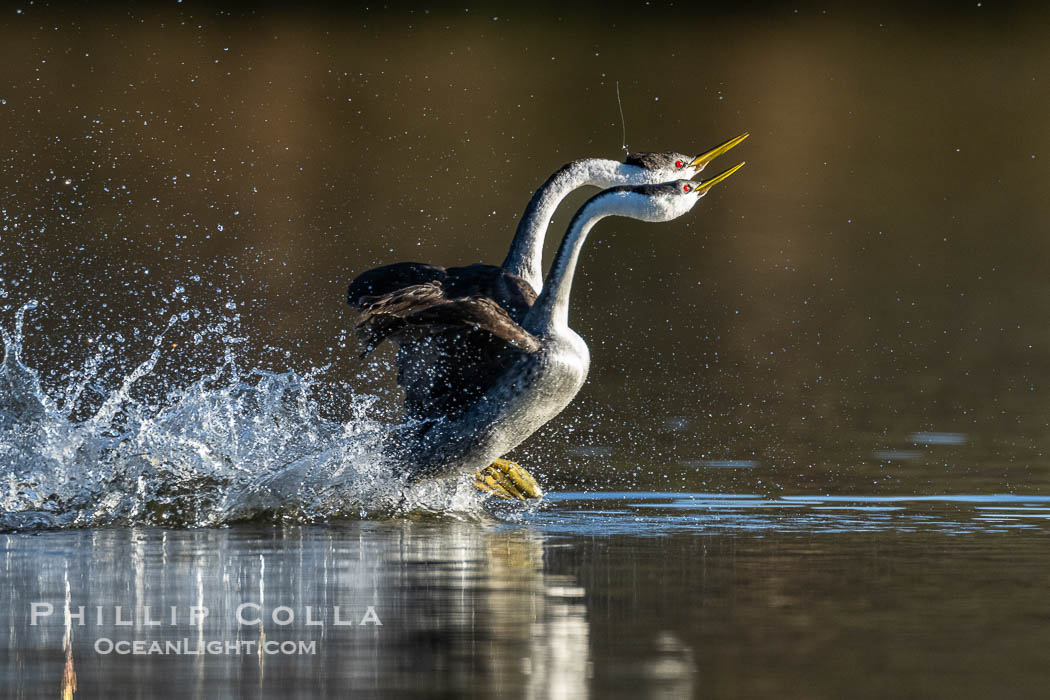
<point>662,513</point>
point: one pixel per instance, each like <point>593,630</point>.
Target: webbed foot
<point>507,480</point>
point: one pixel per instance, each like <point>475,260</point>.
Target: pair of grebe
<point>485,353</point>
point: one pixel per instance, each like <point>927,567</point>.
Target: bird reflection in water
<point>464,610</point>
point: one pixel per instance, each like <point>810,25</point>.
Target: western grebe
<point>504,377</point>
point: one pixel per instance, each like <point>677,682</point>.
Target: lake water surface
<point>594,595</point>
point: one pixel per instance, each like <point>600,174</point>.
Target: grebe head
<point>662,167</point>
<point>662,202</point>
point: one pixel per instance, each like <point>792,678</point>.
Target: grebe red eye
<point>678,164</point>
<point>686,188</point>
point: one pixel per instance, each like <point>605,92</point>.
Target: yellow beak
<point>703,187</point>
<point>704,158</point>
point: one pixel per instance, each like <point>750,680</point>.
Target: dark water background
<point>861,311</point>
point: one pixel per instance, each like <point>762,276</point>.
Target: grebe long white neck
<point>550,313</point>
<point>525,257</point>
<point>551,310</point>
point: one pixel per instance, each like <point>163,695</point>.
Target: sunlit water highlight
<point>658,513</point>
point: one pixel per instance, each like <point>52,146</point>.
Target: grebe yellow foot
<point>507,480</point>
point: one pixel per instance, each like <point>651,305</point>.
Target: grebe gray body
<point>544,362</point>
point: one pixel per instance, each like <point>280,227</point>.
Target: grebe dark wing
<point>390,278</point>
<point>423,310</point>
<point>450,350</point>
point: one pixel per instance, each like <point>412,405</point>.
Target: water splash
<point>232,445</point>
